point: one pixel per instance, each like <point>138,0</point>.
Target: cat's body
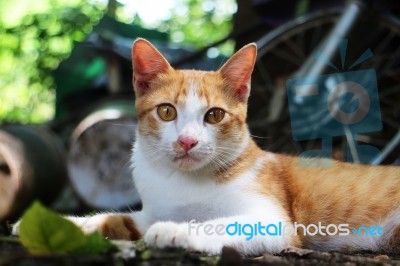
<point>196,167</point>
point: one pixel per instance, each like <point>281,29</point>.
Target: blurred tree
<point>195,23</point>
<point>34,37</point>
<point>201,22</point>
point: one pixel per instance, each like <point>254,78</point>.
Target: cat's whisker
<point>119,124</point>
<point>225,148</point>
<point>223,160</point>
<point>260,137</point>
<point>156,153</point>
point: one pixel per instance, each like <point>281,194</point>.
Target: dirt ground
<point>12,253</point>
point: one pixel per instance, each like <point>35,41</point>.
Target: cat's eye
<point>214,115</point>
<point>166,112</point>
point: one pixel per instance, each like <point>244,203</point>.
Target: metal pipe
<point>314,68</point>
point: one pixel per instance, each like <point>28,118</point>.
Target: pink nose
<point>187,142</point>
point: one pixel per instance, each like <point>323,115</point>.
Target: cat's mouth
<point>186,157</point>
<point>190,160</point>
<point>186,161</point>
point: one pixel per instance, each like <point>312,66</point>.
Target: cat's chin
<point>188,162</point>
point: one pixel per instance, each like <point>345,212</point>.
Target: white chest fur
<point>172,195</point>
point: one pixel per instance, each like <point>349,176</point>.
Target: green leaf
<point>95,244</point>
<point>43,231</point>
<point>146,255</point>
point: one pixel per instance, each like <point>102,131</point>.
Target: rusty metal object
<point>99,157</point>
<point>32,166</point>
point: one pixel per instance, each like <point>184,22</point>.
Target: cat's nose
<point>187,142</point>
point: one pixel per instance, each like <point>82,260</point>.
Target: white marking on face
<point>190,123</point>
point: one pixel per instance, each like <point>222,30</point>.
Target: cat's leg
<point>128,226</point>
<point>210,236</point>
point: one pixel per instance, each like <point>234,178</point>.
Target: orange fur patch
<point>345,193</point>
<point>119,227</point>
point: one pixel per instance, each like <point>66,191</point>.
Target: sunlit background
<point>35,36</point>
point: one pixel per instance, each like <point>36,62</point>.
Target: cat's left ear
<point>236,72</point>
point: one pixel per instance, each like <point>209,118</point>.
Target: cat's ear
<point>236,72</point>
<point>147,63</point>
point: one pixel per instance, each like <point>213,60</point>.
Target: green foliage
<point>34,37</point>
<point>42,231</point>
<point>95,244</point>
<point>146,255</point>
<point>45,232</point>
<point>201,22</point>
<point>192,22</point>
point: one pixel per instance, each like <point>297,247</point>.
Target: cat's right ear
<point>147,63</point>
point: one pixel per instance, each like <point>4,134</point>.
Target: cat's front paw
<point>168,234</point>
<point>112,226</point>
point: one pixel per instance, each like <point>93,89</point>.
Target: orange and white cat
<point>205,184</point>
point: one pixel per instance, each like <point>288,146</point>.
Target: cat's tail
<point>388,240</point>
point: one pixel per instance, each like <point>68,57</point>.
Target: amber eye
<point>214,115</point>
<point>166,112</point>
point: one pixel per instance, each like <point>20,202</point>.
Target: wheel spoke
<point>288,58</point>
<point>286,50</point>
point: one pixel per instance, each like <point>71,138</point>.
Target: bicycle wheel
<point>283,51</point>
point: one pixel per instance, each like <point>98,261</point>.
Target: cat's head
<point>191,119</point>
